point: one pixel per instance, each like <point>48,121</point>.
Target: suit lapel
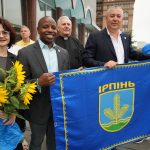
<point>38,53</point>
<point>59,57</point>
<point>109,42</point>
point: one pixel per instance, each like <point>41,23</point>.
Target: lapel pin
<point>125,38</point>
<point>58,50</point>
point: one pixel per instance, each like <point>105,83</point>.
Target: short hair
<point>61,18</point>
<point>43,18</point>
<point>113,7</point>
<point>8,27</point>
<point>24,26</point>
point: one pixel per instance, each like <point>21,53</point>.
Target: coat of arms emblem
<point>116,109</point>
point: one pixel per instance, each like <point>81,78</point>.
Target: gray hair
<point>113,7</point>
<point>61,18</point>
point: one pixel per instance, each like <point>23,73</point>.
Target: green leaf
<point>9,109</point>
<point>14,101</point>
<point>2,84</point>
<point>7,114</point>
<point>23,106</point>
<point>12,81</point>
<point>3,72</point>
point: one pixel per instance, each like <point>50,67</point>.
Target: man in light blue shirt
<point>49,54</point>
<point>40,60</point>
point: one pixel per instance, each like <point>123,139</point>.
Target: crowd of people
<point>50,53</point>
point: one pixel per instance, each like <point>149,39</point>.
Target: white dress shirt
<point>118,46</point>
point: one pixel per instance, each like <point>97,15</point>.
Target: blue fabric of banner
<point>100,108</point>
<point>10,136</point>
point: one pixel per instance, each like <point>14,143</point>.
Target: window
<point>105,7</point>
<point>43,10</point>
<point>125,29</point>
<point>125,14</point>
<point>12,12</point>
<point>125,22</point>
<point>1,8</point>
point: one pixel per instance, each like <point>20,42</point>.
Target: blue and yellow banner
<point>99,108</point>
<point>10,136</point>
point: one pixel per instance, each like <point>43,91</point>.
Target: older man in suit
<point>40,60</point>
<point>110,46</point>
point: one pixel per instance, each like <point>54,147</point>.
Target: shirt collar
<point>42,45</point>
<point>110,34</point>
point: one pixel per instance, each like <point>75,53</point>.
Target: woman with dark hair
<point>7,38</point>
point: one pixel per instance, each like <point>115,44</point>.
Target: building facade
<point>128,7</point>
<point>28,12</point>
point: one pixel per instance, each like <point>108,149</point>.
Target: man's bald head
<point>43,19</point>
<point>47,30</point>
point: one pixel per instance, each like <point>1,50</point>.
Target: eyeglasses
<point>4,33</point>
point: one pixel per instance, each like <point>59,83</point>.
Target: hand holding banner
<point>101,108</point>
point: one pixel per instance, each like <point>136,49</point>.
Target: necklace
<point>4,54</point>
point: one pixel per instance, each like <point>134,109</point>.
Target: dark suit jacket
<point>74,48</point>
<point>99,49</point>
<point>34,64</point>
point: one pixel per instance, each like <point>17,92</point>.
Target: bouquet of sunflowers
<point>15,94</point>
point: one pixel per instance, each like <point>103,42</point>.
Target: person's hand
<point>2,116</point>
<point>46,79</point>
<point>10,120</point>
<point>81,68</point>
<point>110,64</point>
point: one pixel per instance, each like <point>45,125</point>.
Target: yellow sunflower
<point>28,91</point>
<point>19,74</point>
<point>3,96</point>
